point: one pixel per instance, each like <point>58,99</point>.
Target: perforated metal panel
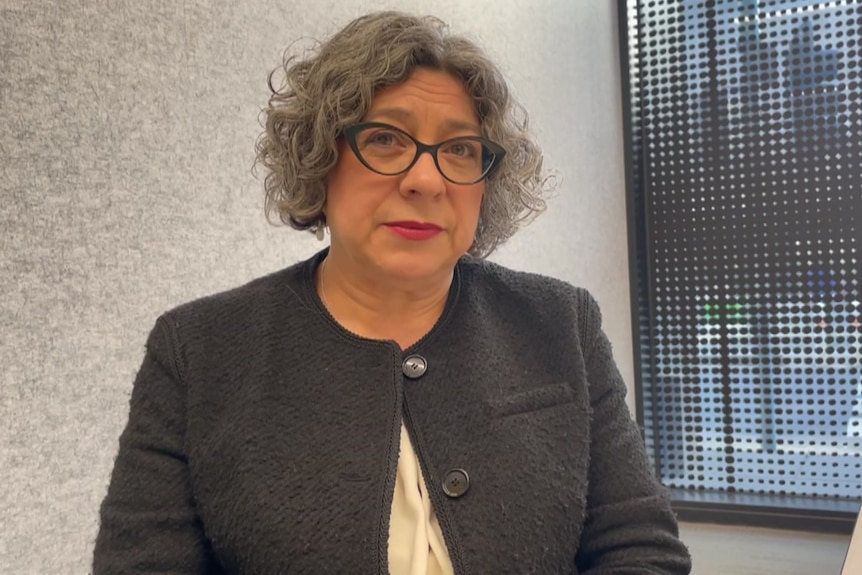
<point>746,138</point>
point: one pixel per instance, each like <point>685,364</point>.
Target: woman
<point>394,404</point>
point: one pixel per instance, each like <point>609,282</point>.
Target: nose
<point>423,178</point>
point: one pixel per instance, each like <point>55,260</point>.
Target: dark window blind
<point>744,137</point>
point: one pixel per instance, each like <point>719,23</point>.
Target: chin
<point>416,265</point>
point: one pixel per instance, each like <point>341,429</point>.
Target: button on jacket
<point>263,438</point>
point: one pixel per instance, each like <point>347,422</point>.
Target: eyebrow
<point>407,117</point>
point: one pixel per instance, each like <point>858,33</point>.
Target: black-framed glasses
<point>390,151</point>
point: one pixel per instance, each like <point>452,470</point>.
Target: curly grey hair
<point>332,89</point>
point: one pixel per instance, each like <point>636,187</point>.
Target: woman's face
<point>417,224</point>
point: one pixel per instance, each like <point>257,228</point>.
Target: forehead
<point>428,91</point>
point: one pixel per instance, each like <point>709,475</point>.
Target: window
<point>744,137</point>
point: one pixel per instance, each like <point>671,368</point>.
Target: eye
<point>383,138</point>
<point>463,149</point>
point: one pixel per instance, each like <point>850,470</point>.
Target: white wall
<point>125,153</point>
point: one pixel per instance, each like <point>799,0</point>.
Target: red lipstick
<point>415,231</point>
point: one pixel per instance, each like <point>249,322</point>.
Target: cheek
<point>353,193</point>
<point>471,205</point>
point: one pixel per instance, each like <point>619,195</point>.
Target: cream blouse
<point>416,545</point>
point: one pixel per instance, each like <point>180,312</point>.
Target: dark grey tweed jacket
<point>263,438</point>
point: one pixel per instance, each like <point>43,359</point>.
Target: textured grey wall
<point>126,143</point>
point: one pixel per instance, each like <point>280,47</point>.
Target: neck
<point>376,307</point>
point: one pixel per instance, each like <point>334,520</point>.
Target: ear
<point>325,197</point>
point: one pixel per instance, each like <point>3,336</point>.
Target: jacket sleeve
<point>148,518</point>
<point>630,528</point>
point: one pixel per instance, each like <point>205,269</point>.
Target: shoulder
<point>535,292</point>
<point>256,305</point>
<point>544,304</point>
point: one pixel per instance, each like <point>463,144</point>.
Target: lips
<point>414,231</point>
<point>415,226</point>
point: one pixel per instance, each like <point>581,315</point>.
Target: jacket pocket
<point>531,400</point>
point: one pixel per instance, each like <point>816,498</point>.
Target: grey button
<point>414,366</point>
<point>456,482</point>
